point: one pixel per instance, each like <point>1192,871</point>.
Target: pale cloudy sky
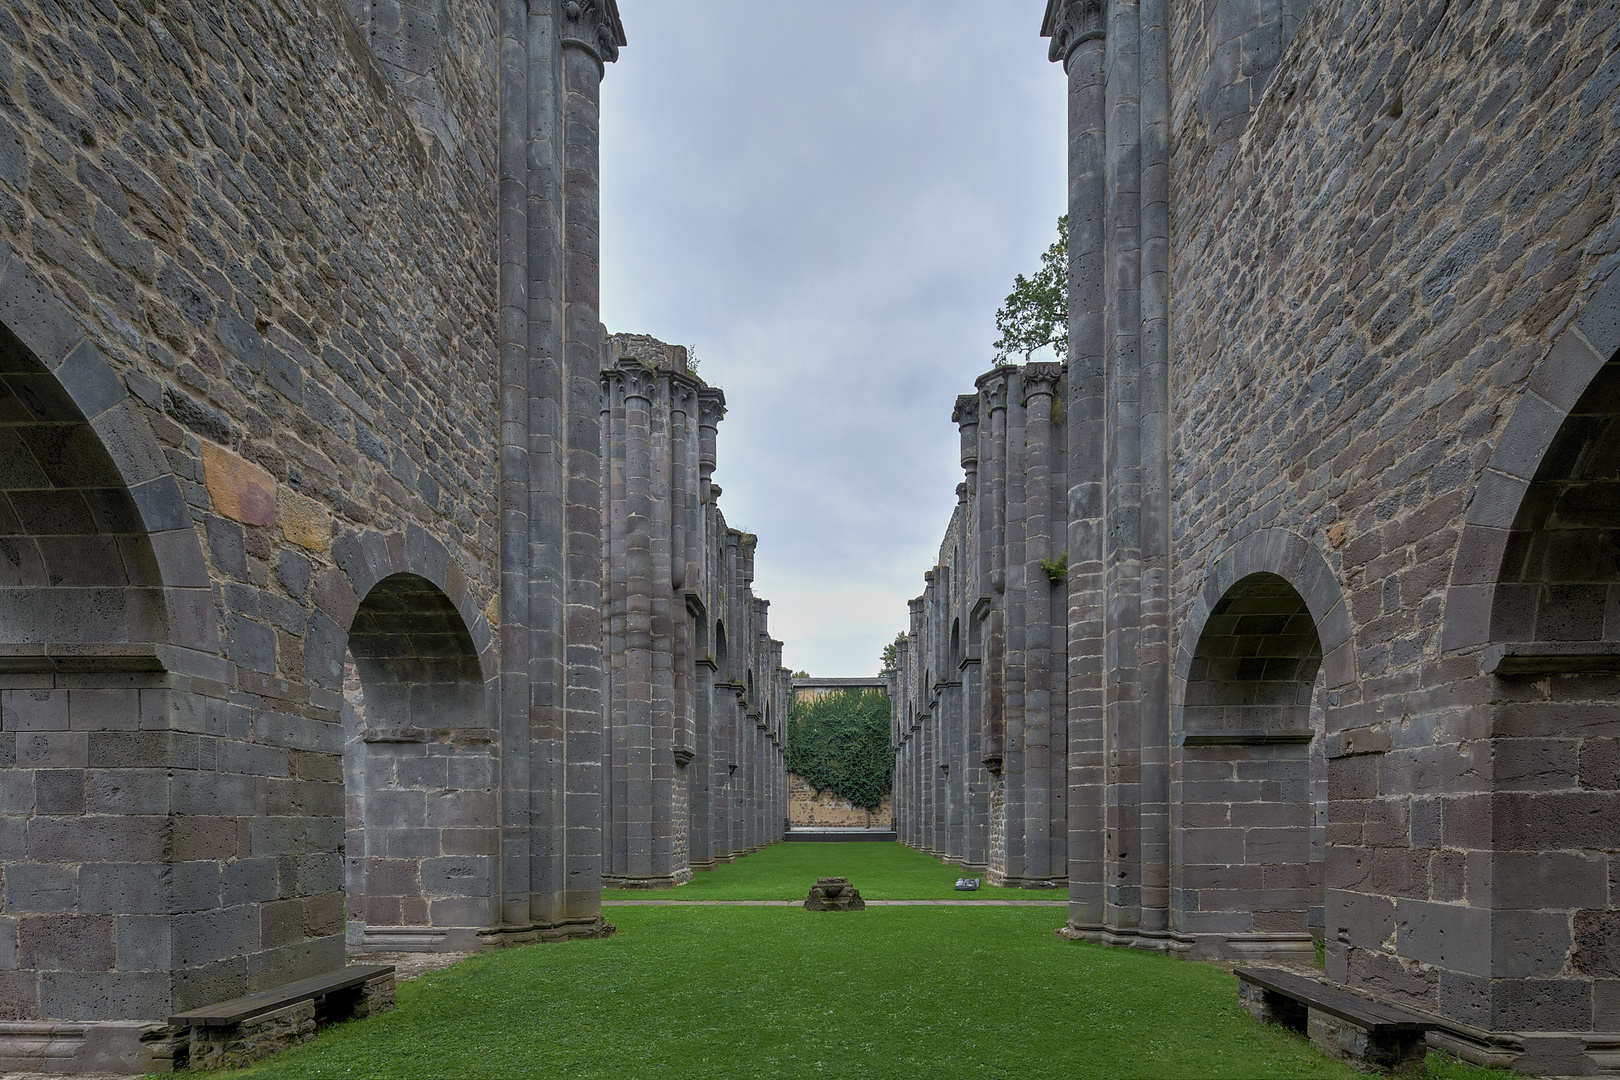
<point>830,200</point>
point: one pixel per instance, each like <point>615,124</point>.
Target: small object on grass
<point>967,884</point>
<point>834,894</point>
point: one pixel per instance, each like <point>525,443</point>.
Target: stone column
<point>1016,631</point>
<point>975,779</point>
<point>641,863</point>
<point>707,778</point>
<point>530,355</point>
<point>992,560</point>
<point>1078,32</point>
<point>1042,761</point>
<point>591,36</point>
<point>614,570</point>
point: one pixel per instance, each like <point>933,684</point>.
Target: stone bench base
<point>235,1033</point>
<point>1339,1023</point>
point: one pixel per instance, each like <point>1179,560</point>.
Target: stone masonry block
<point>66,942</point>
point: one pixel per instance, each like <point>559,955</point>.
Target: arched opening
<point>1555,643</point>
<point>720,645</point>
<point>419,774</point>
<point>81,607</point>
<point>1559,589</point>
<point>1248,850</point>
<point>956,642</point>
<point>76,566</point>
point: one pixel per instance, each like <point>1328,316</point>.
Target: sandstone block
<point>240,490</point>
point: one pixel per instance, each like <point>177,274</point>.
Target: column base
<point>651,881</point>
<point>425,939</point>
<point>1015,881</point>
<point>62,1047</point>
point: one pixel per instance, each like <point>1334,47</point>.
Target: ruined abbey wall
<point>696,693</point>
<point>301,504</point>
<point>1341,564</point>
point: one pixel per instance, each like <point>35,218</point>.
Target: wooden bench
<point>1340,1023</point>
<point>236,1032</point>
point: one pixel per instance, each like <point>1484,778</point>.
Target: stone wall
<point>300,352</point>
<point>1343,322</point>
<point>809,808</point>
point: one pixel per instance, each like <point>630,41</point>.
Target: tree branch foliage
<point>840,742</point>
<point>891,651</point>
<point>1036,313</point>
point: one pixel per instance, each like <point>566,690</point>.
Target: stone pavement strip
<point>869,903</point>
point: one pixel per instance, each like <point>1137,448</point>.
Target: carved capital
<point>639,380</point>
<point>967,409</point>
<point>683,394</point>
<point>1070,22</point>
<point>993,388</point>
<point>712,407</point>
<point>1041,379</point>
<point>593,25</point>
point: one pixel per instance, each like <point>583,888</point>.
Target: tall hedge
<point>840,742</point>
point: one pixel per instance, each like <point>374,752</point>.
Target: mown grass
<point>781,992</point>
<point>785,871</point>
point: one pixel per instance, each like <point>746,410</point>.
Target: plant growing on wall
<point>1036,313</point>
<point>891,651</point>
<point>839,742</point>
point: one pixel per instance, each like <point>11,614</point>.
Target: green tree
<point>1036,313</point>
<point>840,742</point>
<point>891,651</point>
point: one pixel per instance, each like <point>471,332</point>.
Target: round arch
<point>1550,395</point>
<point>72,383</point>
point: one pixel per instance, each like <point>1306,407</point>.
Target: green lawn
<point>785,871</point>
<point>891,992</point>
<point>782,992</point>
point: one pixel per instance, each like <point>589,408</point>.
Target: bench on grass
<point>235,1032</point>
<point>1340,1023</point>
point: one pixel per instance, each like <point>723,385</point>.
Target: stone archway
<point>1264,644</point>
<point>56,376</point>
<point>420,771</point>
<point>1533,615</point>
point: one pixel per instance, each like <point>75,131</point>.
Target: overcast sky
<point>830,200</point>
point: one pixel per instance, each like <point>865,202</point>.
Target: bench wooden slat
<point>1358,1010</point>
<point>234,1011</point>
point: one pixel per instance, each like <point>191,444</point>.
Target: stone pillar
<point>1078,31</point>
<point>615,823</point>
<point>1013,869</point>
<point>551,59</point>
<point>992,561</point>
<point>641,857</point>
<point>591,36</point>
<point>970,580</point>
<point>708,781</point>
<point>1043,758</point>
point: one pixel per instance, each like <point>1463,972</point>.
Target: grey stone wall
<point>278,423</point>
<point>1339,406</point>
<point>695,696</point>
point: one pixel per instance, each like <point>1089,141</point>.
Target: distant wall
<point>806,809</point>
